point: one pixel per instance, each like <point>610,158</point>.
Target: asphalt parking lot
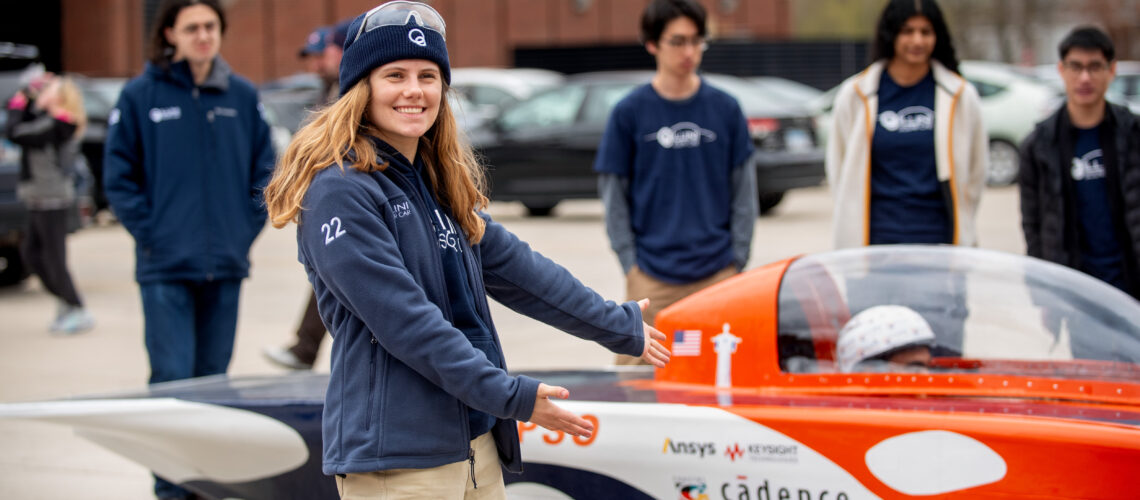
<point>42,461</point>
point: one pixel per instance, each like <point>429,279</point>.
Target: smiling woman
<point>402,258</point>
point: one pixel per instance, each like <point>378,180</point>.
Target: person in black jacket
<point>1080,172</point>
<point>1080,184</point>
<point>48,125</point>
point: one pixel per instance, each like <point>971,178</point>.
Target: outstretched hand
<point>552,417</point>
<point>655,352</point>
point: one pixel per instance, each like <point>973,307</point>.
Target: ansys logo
<point>682,135</point>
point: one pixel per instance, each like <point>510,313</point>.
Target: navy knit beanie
<point>385,44</point>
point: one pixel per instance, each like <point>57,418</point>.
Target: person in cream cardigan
<point>907,153</point>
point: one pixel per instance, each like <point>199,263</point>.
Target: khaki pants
<point>639,285</point>
<point>451,481</point>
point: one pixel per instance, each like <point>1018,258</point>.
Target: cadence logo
<point>699,449</point>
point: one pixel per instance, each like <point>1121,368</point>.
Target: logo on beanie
<point>417,37</point>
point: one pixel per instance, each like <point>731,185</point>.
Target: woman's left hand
<point>655,352</point>
<point>550,416</point>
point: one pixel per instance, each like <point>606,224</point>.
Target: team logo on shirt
<point>114,117</point>
<point>159,115</point>
<point>909,119</point>
<point>1089,167</point>
<point>682,135</point>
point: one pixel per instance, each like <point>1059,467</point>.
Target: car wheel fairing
<point>1004,163</point>
<point>12,269</point>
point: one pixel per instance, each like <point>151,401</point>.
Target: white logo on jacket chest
<point>159,115</point>
<point>1089,167</point>
<point>401,210</point>
<point>682,135</point>
<point>909,119</point>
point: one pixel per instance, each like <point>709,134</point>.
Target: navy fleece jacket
<point>402,376</point>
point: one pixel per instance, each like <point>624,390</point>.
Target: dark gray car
<point>541,150</point>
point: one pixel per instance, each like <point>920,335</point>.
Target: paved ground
<point>41,461</point>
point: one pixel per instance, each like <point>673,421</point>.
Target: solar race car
<point>1031,390</point>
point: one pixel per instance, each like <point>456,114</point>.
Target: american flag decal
<point>687,343</point>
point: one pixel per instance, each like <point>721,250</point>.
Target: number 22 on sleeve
<point>332,230</point>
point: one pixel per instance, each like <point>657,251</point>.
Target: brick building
<point>108,37</point>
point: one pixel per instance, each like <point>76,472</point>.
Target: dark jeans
<point>309,333</point>
<point>45,251</point>
<point>190,328</point>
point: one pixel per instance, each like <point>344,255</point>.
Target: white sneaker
<point>284,358</point>
<point>73,321</point>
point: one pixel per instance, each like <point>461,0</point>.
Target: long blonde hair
<point>70,99</point>
<point>454,175</point>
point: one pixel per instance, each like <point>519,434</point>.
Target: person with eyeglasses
<point>188,152</point>
<point>1080,176</point>
<point>673,170</point>
<point>388,202</point>
<point>907,154</point>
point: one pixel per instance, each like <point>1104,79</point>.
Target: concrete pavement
<point>42,461</point>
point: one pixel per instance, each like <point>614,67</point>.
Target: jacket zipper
<point>371,381</point>
<point>471,460</point>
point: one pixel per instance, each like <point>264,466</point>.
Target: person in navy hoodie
<point>391,232</point>
<point>188,153</point>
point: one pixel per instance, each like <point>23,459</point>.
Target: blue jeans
<point>190,328</point>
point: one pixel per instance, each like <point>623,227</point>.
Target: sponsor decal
<point>691,488</point>
<point>762,452</point>
<point>558,437</point>
<point>687,343</point>
<point>702,450</point>
<point>909,119</point>
<point>725,346</point>
<point>159,115</point>
<point>760,489</point>
<point>682,135</point>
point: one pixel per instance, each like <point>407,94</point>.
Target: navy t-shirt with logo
<point>1101,254</point>
<point>907,205</point>
<point>678,157</point>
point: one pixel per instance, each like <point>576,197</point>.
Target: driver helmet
<point>880,330</point>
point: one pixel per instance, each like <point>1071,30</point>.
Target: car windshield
<point>980,305</point>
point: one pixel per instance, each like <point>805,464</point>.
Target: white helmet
<point>879,330</point>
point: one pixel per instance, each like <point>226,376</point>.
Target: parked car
<point>789,91</point>
<point>1012,104</point>
<point>490,90</point>
<point>541,150</point>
